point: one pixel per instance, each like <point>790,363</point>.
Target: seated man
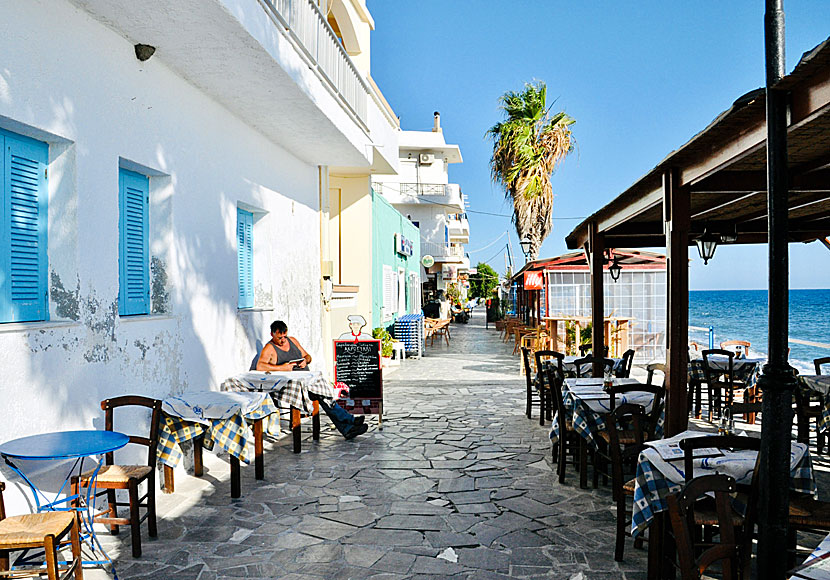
<point>284,353</point>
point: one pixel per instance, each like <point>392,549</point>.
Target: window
<point>134,247</point>
<point>390,296</point>
<point>23,286</point>
<point>245,257</point>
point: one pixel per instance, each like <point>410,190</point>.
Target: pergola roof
<point>724,169</point>
<point>628,259</point>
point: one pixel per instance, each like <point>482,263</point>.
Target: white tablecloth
<point>201,406</point>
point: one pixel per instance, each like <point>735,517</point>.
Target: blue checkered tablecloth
<point>745,370</point>
<point>288,389</point>
<point>657,478</point>
<point>818,384</point>
<point>588,414</point>
<point>230,429</point>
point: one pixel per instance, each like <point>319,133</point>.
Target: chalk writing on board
<point>357,364</point>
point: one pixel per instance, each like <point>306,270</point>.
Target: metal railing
<point>441,250</point>
<point>307,24</point>
<point>424,189</point>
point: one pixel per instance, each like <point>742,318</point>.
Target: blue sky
<point>640,78</point>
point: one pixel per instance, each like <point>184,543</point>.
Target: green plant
<point>453,293</point>
<point>385,341</point>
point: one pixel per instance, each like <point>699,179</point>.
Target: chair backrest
<point>2,505</point>
<point>651,368</point>
<point>151,440</point>
<point>681,512</point>
<point>623,369</point>
<point>634,420</point>
<point>689,445</point>
<point>820,361</point>
<point>607,363</point>
<point>541,355</point>
<point>526,362</point>
<point>555,380</point>
<point>712,375</point>
<point>653,416</point>
<point>585,349</point>
<point>736,346</point>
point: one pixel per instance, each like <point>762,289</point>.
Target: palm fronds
<point>527,147</point>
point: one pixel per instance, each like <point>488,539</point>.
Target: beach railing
<point>710,330</point>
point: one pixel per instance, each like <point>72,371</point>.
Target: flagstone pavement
<point>457,484</point>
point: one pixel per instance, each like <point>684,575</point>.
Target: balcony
<point>276,64</point>
<point>448,194</point>
<point>458,230</point>
<point>450,253</point>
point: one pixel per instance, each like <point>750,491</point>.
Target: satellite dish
<point>427,261</point>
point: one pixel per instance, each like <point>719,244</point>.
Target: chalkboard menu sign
<point>357,364</point>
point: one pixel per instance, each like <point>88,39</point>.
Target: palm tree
<point>527,146</point>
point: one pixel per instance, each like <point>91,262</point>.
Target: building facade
<point>162,204</point>
<point>422,192</point>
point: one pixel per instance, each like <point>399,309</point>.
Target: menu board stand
<point>358,365</point>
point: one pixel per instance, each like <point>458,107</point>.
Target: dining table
<point>298,391</point>
<point>235,421</point>
<point>587,403</point>
<point>660,473</point>
<point>817,565</point>
<point>77,448</point>
<point>744,370</point>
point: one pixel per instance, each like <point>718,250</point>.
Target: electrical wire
<point>488,245</point>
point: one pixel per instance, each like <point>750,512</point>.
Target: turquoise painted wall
<point>386,222</point>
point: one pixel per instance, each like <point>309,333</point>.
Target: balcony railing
<point>424,189</point>
<point>307,24</point>
<point>439,251</point>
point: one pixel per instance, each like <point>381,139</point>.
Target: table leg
<point>295,429</point>
<point>315,421</point>
<point>169,483</point>
<point>236,477</point>
<point>380,416</point>
<point>655,546</point>
<point>198,466</point>
<point>259,461</point>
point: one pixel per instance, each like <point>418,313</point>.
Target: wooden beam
<point>597,249</point>
<point>676,215</point>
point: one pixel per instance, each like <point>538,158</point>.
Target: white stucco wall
<point>68,80</point>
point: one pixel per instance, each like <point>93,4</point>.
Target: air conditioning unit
<point>426,158</point>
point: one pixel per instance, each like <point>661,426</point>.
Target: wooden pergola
<point>745,180</point>
<point>717,181</point>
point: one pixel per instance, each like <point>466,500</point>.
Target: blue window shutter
<point>245,257</point>
<point>134,248</point>
<point>23,285</point>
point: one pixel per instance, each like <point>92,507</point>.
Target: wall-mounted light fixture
<point>143,52</point>
<point>706,245</point>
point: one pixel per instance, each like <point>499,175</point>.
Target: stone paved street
<point>458,484</point>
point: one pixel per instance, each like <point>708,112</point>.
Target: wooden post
<point>315,421</point>
<point>676,216</point>
<point>596,257</point>
<point>259,460</point>
<point>296,430</point>
<point>236,477</point>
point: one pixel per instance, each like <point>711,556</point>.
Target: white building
<point>159,214</point>
<point>422,192</point>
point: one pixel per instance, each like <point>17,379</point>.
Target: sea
<point>742,315</point>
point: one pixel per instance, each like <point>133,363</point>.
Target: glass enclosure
<point>638,295</point>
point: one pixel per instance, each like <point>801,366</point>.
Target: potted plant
<point>385,343</point>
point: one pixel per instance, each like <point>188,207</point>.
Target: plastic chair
<point>113,477</point>
<point>44,531</point>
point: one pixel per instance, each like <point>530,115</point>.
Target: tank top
<point>283,356</point>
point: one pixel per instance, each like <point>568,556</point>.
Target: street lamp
<point>614,269</point>
<point>525,243</point>
<point>706,245</point>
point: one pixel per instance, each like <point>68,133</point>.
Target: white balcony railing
<point>307,24</point>
<point>442,252</point>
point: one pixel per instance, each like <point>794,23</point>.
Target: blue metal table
<point>61,445</point>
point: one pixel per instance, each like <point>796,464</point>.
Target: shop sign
<point>403,245</point>
<point>448,272</point>
<point>428,261</point>
<point>533,280</point>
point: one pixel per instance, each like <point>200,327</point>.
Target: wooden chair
<point>739,347</point>
<point>533,388</point>
<point>44,531</point>
<point>820,361</point>
<point>809,407</point>
<point>623,369</point>
<point>569,439</point>
<point>545,391</point>
<point>621,444</point>
<point>586,349</point>
<point>682,509</point>
<point>608,365</point>
<point>113,477</point>
<point>651,368</point>
<point>721,385</point>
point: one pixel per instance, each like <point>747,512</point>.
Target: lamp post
<point>706,245</point>
<point>525,243</point>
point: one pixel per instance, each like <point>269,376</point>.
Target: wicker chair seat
<point>28,531</point>
<point>806,512</point>
<point>117,474</point>
<point>626,437</point>
<point>628,487</point>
